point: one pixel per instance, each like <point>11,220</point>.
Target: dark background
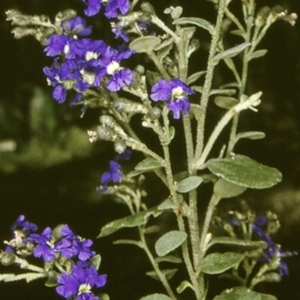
<point>51,177</point>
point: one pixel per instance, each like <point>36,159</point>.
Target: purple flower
<point>126,155</point>
<point>113,174</point>
<point>112,7</point>
<point>23,225</point>
<point>76,26</point>
<point>273,250</point>
<point>79,282</point>
<point>174,92</point>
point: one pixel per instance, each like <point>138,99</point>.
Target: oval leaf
<point>138,219</point>
<point>169,273</point>
<point>156,297</point>
<point>144,44</point>
<point>238,293</point>
<point>148,164</point>
<point>217,263</point>
<point>169,258</point>
<point>237,243</point>
<point>244,171</point>
<point>225,102</point>
<point>196,21</point>
<point>258,53</point>
<point>195,77</point>
<point>252,135</point>
<point>189,184</point>
<point>231,52</point>
<point>169,241</point>
<point>226,189</point>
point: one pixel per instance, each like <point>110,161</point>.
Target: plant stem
<point>209,77</point>
<point>155,266</point>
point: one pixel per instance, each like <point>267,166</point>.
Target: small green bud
<point>154,113</point>
<point>7,258</point>
<point>119,146</point>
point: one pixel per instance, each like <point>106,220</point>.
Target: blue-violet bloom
<point>174,92</point>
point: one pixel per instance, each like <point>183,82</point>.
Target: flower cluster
<point>174,92</point>
<point>66,249</point>
<point>261,228</point>
<point>83,63</point>
<point>273,250</point>
<point>112,7</point>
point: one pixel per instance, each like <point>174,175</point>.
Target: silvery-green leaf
<point>134,173</point>
<point>258,53</point>
<point>231,52</point>
<point>151,229</point>
<point>226,189</point>
<point>156,297</point>
<point>169,258</point>
<point>181,175</point>
<point>164,44</point>
<point>164,51</point>
<point>138,219</point>
<point>153,77</point>
<point>188,184</point>
<point>195,77</point>
<point>225,102</point>
<point>238,32</point>
<point>176,12</point>
<point>244,171</point>
<point>252,135</point>
<point>237,243</point>
<point>183,285</point>
<point>147,164</point>
<point>238,293</point>
<point>169,242</point>
<point>197,111</point>
<point>166,205</point>
<point>197,88</point>
<point>171,133</point>
<point>217,263</point>
<point>228,92</point>
<point>95,261</point>
<point>103,296</point>
<point>128,242</point>
<point>267,297</point>
<point>195,21</point>
<point>144,44</point>
<point>169,273</point>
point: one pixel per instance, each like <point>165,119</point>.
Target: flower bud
<point>7,258</point>
<point>109,121</point>
<point>64,16</point>
<point>154,113</point>
<point>119,146</point>
<point>125,105</point>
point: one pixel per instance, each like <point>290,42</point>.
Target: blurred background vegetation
<point>49,170</point>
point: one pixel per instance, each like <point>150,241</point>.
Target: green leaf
<point>252,135</point>
<point>103,296</point>
<point>95,261</point>
<point>267,297</point>
<point>189,184</point>
<point>169,273</point>
<point>237,243</point>
<point>194,77</point>
<point>225,102</point>
<point>231,52</point>
<point>51,282</point>
<point>148,164</point>
<point>176,12</point>
<point>153,77</point>
<point>244,171</point>
<point>195,21</point>
<point>217,263</point>
<point>238,32</point>
<point>144,44</point>
<point>183,285</point>
<point>128,242</point>
<point>138,219</point>
<point>226,189</point>
<point>156,297</point>
<point>238,293</point>
<point>166,205</point>
<point>169,258</point>
<point>169,241</point>
<point>228,92</point>
<point>258,53</point>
